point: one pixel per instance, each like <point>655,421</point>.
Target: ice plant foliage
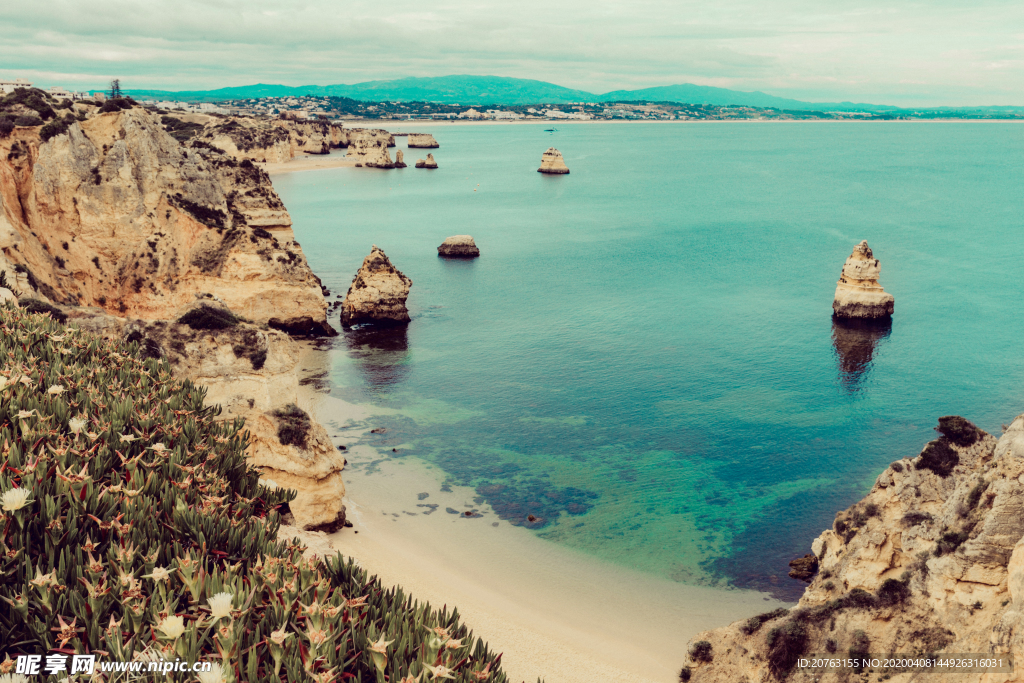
<point>150,537</point>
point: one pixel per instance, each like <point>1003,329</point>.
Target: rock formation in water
<point>366,136</point>
<point>120,227</point>
<point>399,160</point>
<point>458,246</point>
<point>426,163</point>
<point>422,140</point>
<point>930,561</point>
<point>858,294</point>
<point>371,153</point>
<point>377,294</point>
<point>552,162</point>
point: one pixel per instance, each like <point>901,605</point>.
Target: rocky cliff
<point>930,561</point>
<point>858,294</point>
<point>370,152</point>
<point>364,136</point>
<point>426,163</point>
<point>377,294</point>
<point>422,140</point>
<point>115,221</point>
<point>271,140</point>
<point>552,162</point>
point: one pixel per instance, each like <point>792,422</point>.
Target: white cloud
<point>939,52</point>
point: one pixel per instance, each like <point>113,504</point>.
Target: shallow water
<point>643,357</point>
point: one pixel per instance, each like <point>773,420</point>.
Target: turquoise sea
<point>643,358</point>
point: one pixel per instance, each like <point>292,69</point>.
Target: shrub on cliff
<point>7,127</point>
<point>701,651</point>
<point>893,592</point>
<point>132,526</point>
<point>206,317</point>
<point>57,126</point>
<point>293,426</point>
<point>28,120</point>
<point>938,457</point>
<point>785,645</point>
<point>960,431</point>
<point>753,624</point>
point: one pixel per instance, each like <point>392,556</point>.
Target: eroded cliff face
<point>117,214</point>
<point>128,231</point>
<point>931,560</point>
<point>271,140</point>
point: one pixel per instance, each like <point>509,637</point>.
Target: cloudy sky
<point>883,51</point>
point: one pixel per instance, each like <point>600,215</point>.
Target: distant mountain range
<point>499,90</point>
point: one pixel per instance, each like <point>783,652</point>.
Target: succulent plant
<point>133,527</point>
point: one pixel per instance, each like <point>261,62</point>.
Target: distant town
<point>340,109</point>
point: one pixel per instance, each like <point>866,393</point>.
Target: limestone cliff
<point>370,152</point>
<point>117,214</point>
<point>422,140</point>
<point>364,136</point>
<point>931,560</point>
<point>377,294</point>
<point>114,220</point>
<point>552,162</point>
<point>459,246</point>
<point>858,294</point>
<point>270,140</point>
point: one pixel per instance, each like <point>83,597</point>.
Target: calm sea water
<point>643,357</point>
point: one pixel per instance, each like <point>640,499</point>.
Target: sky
<point>939,52</point>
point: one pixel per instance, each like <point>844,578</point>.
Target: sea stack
<point>858,294</point>
<point>422,140</point>
<point>552,162</point>
<point>377,294</point>
<point>399,161</point>
<point>428,163</point>
<point>458,246</point>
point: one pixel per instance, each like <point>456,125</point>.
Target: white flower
<point>269,483</point>
<point>172,626</point>
<point>159,574</point>
<point>220,605</point>
<point>56,390</point>
<point>128,438</point>
<point>22,414</point>
<point>15,499</point>
<point>159,447</point>
<point>214,675</point>
<point>279,636</point>
<point>5,382</point>
<point>17,678</point>
<point>77,424</point>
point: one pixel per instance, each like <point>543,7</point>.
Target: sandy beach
<point>554,613</point>
<point>310,162</point>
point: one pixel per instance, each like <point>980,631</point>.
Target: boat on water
<point>550,130</point>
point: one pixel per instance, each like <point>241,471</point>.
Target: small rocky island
<point>399,161</point>
<point>552,162</point>
<point>427,163</point>
<point>858,294</point>
<point>422,140</point>
<point>378,293</point>
<point>458,246</point>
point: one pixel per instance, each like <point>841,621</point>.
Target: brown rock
<point>426,163</point>
<point>552,162</point>
<point>858,294</point>
<point>378,293</point>
<point>399,161</point>
<point>803,568</point>
<point>458,246</point>
<point>422,140</point>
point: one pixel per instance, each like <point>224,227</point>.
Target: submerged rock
<point>399,161</point>
<point>428,163</point>
<point>458,246</point>
<point>422,140</point>
<point>858,294</point>
<point>552,162</point>
<point>377,294</point>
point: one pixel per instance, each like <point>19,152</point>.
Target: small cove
<point>643,356</point>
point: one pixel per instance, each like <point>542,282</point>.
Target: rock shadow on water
<point>381,354</point>
<point>855,342</point>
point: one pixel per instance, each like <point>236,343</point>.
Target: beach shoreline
<point>310,162</point>
<point>554,612</point>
